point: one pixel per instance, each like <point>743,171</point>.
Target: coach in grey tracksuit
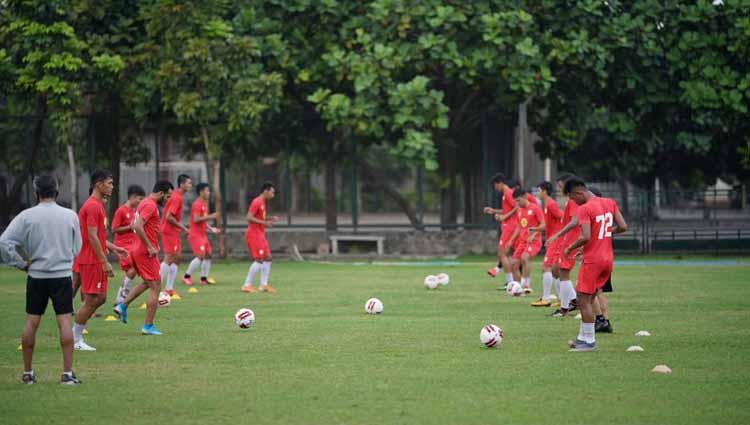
<point>51,237</point>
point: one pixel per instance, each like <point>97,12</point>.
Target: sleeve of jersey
<point>555,210</point>
<point>254,208</point>
<point>583,215</point>
<point>539,215</point>
<point>147,212</point>
<point>91,217</point>
<point>116,220</point>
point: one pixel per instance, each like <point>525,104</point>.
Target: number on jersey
<point>605,229</point>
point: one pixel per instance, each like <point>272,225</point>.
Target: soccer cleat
<point>150,330</point>
<point>560,312</point>
<point>249,289</point>
<point>204,282</point>
<point>573,305</point>
<point>187,280</point>
<point>211,281</point>
<point>171,292</point>
<point>71,379</point>
<point>82,346</point>
<point>267,288</point>
<point>556,304</point>
<point>121,310</point>
<point>492,272</point>
<point>28,378</point>
<point>579,346</point>
<point>603,326</point>
<point>541,303</point>
<point>527,290</point>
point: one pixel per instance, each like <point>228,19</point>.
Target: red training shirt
<point>553,216</point>
<point>92,214</point>
<point>570,211</point>
<point>257,209</point>
<point>599,213</point>
<point>531,216</point>
<point>174,206</point>
<point>149,213</point>
<point>199,208</point>
<point>124,216</point>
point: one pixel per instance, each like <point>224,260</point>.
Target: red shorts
<point>171,244</point>
<point>76,268</point>
<point>524,246</point>
<point>592,276</point>
<point>127,263</point>
<point>505,235</point>
<point>93,279</point>
<point>200,245</point>
<point>147,267</point>
<point>258,247</point>
<point>552,255</point>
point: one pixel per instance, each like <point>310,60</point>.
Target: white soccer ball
<point>443,279</point>
<point>164,300</point>
<point>514,289</point>
<point>373,306</point>
<point>244,318</point>
<point>431,282</point>
<point>552,297</point>
<point>491,336</point>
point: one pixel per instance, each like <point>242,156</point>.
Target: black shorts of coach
<point>40,291</point>
<point>607,285</point>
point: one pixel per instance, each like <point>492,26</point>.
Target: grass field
<point>314,357</point>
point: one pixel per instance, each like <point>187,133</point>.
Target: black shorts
<point>39,291</point>
<point>607,285</point>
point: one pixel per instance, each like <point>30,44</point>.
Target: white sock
<point>524,282</point>
<point>567,293</point>
<point>122,293</point>
<point>546,285</point>
<point>78,332</point>
<point>587,332</point>
<point>205,267</point>
<point>254,269</point>
<point>556,284</point>
<point>264,273</point>
<point>193,266</point>
<point>497,269</point>
<point>509,277</point>
<point>164,271</point>
<point>171,277</point>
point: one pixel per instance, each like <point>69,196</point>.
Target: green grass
<point>313,357</point>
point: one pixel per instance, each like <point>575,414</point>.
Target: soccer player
<point>601,304</point>
<point>171,227</point>
<point>51,237</point>
<point>197,238</point>
<point>257,244</point>
<point>553,222</point>
<point>596,217</point>
<point>125,237</point>
<point>507,218</point>
<point>528,233</point>
<point>565,263</point>
<point>92,263</point>
<point>146,256</point>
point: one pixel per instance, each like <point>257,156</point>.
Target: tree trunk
<point>330,204</point>
<point>214,171</point>
<point>448,198</point>
<point>380,182</point>
<point>32,151</point>
<point>115,154</point>
<point>73,177</point>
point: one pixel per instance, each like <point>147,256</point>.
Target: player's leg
<point>591,278</point>
<point>567,293</point>
<point>62,302</point>
<point>205,268</point>
<point>265,271</point>
<point>28,341</point>
<point>126,285</point>
<point>94,291</point>
<point>602,319</point>
<point>525,272</point>
<point>154,287</point>
<point>253,248</point>
<point>195,263</point>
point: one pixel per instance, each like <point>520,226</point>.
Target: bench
<point>356,238</point>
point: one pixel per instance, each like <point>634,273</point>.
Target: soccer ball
<point>443,279</point>
<point>491,336</point>
<point>373,306</point>
<point>244,318</point>
<point>552,297</point>
<point>164,299</point>
<point>514,288</point>
<point>431,282</point>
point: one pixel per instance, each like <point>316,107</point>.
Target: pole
<point>420,197</point>
<point>223,190</point>
<point>355,218</point>
<point>288,192</point>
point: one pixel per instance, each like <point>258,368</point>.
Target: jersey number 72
<point>605,229</point>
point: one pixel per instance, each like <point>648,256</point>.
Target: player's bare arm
<point>122,229</point>
<point>174,222</point>
<point>492,211</point>
<point>581,241</point>
<point>504,217</point>
<point>568,227</point>
<point>207,217</point>
<point>534,231</point>
<point>91,232</point>
<point>620,225</point>
<point>122,253</point>
<point>252,219</point>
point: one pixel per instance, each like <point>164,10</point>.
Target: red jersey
<point>174,206</point>
<point>531,216</point>
<point>553,217</point>
<point>257,209</point>
<point>199,209</point>
<point>570,211</point>
<point>149,214</point>
<point>92,214</point>
<point>508,204</point>
<point>124,216</point>
<point>600,214</point>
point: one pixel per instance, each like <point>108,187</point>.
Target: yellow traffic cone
<point>110,318</point>
<point>86,331</point>
<point>142,307</point>
<point>176,296</point>
<point>20,347</point>
<point>211,281</point>
<point>193,290</point>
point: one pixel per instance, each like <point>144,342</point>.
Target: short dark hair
<point>572,183</point>
<point>45,187</point>
<point>562,177</point>
<point>511,183</point>
<point>162,186</point>
<point>498,178</point>
<point>596,191</point>
<point>181,179</point>
<point>267,185</point>
<point>547,187</point>
<point>200,187</point>
<point>519,192</point>
<point>100,175</point>
<point>135,190</point>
